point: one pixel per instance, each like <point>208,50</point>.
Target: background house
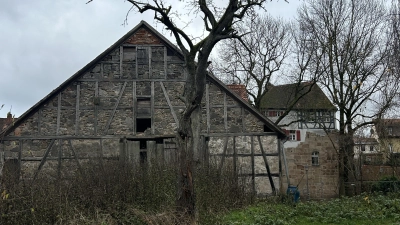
<point>125,105</point>
<point>387,131</point>
<point>313,113</point>
<point>366,151</point>
<point>310,149</point>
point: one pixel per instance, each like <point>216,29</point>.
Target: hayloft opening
<point>142,124</point>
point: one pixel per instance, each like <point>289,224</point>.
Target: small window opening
<point>363,148</point>
<point>142,124</point>
<point>315,158</point>
<point>267,129</point>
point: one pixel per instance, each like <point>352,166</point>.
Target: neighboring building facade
<point>311,146</point>
<point>387,131</point>
<point>125,105</point>
<point>314,112</point>
<point>366,151</point>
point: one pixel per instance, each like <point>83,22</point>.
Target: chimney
<point>240,90</point>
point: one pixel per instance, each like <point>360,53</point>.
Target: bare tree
<point>218,21</point>
<point>259,55</point>
<point>352,37</point>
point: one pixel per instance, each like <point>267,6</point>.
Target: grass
<point>363,209</point>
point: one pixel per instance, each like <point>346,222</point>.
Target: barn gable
<point>126,104</point>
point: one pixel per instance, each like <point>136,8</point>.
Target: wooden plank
<point>150,69</point>
<point>59,159</point>
<point>66,137</point>
<point>130,80</point>
<point>115,108</point>
<point>169,104</point>
<point>248,155</point>
<point>253,180</point>
<point>223,155</point>
<point>19,157</point>
<point>152,107</point>
<point>78,90</point>
<point>136,63</point>
<point>225,114</point>
<point>208,107</point>
<point>259,175</point>
<point>239,134</point>
<point>75,156</point>
<point>44,158</point>
<point>58,114</point>
<point>96,110</point>
<point>271,181</point>
<point>121,57</point>
<point>39,121</point>
<point>242,116</point>
<point>134,101</point>
<point>165,62</point>
<point>234,157</point>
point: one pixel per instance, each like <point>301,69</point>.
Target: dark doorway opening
<point>142,124</point>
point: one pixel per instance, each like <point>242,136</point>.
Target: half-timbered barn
<point>125,104</point>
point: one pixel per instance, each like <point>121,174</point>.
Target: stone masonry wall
<point>322,180</point>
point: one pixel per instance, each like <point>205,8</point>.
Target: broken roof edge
<point>32,110</point>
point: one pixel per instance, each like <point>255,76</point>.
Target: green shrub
<point>386,184</point>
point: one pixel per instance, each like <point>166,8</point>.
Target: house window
<point>327,117</point>
<point>311,117</point>
<point>274,113</point>
<point>363,148</point>
<point>315,158</point>
<point>292,135</point>
<point>371,148</point>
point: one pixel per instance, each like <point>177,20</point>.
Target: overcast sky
<point>44,42</point>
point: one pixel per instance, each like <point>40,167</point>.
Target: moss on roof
<point>281,97</point>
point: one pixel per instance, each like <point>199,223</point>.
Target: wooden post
<point>152,107</point>
<point>165,62</point>
<point>223,155</point>
<point>96,108</point>
<point>271,181</point>
<point>44,159</point>
<point>208,107</point>
<point>225,114</point>
<point>169,104</point>
<point>75,156</point>
<point>59,159</point>
<point>253,178</point>
<point>134,100</point>
<point>78,90</point>
<point>115,108</point>
<point>58,114</point>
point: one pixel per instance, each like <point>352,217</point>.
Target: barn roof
<point>90,65</point>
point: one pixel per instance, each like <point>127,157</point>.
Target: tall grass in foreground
<point>115,193</point>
